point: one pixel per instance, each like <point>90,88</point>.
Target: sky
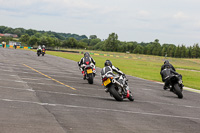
<point>170,21</point>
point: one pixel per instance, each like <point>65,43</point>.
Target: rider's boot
<point>84,76</point>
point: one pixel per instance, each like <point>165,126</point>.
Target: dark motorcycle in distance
<point>176,85</point>
<point>117,86</point>
<point>39,51</point>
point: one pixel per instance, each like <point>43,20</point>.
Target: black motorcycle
<point>117,86</point>
<point>176,86</point>
<point>39,51</point>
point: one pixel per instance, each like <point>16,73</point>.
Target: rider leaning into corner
<point>109,68</point>
<point>86,60</point>
<point>167,70</point>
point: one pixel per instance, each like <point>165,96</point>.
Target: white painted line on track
<point>52,92</point>
<point>19,81</point>
<point>52,75</point>
<point>82,95</point>
<point>101,109</point>
<point>13,88</point>
<point>192,90</point>
<point>169,104</point>
<point>45,70</point>
<point>184,88</point>
<point>13,75</point>
<point>31,72</point>
<point>33,83</point>
<point>7,75</point>
<point>7,70</point>
<point>36,79</point>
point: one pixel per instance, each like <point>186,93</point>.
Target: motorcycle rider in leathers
<point>39,48</point>
<point>166,63</point>
<point>86,60</point>
<point>109,68</point>
<point>166,74</point>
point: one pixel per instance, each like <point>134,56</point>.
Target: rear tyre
<point>114,93</point>
<point>177,91</point>
<point>90,78</point>
<point>38,53</point>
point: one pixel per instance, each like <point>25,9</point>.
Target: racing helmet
<point>86,54</point>
<point>108,63</point>
<point>166,62</point>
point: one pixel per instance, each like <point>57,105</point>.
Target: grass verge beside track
<point>144,66</point>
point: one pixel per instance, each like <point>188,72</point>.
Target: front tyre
<point>131,98</point>
<point>90,78</point>
<point>177,91</point>
<point>115,93</point>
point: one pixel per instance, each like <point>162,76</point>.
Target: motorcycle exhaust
<point>114,81</point>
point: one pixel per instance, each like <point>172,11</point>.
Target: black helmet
<point>108,63</point>
<point>166,62</point>
<point>86,54</point>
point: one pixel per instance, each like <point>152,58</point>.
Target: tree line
<point>52,39</point>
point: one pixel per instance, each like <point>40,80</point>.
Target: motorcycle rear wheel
<point>115,93</point>
<point>90,78</point>
<point>177,91</point>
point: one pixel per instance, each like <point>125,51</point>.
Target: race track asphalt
<point>48,95</point>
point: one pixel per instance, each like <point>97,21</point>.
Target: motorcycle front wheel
<point>131,98</point>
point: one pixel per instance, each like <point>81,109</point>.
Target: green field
<point>144,66</point>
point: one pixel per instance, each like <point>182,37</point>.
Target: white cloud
<point>143,13</point>
<point>180,15</point>
<point>138,18</point>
